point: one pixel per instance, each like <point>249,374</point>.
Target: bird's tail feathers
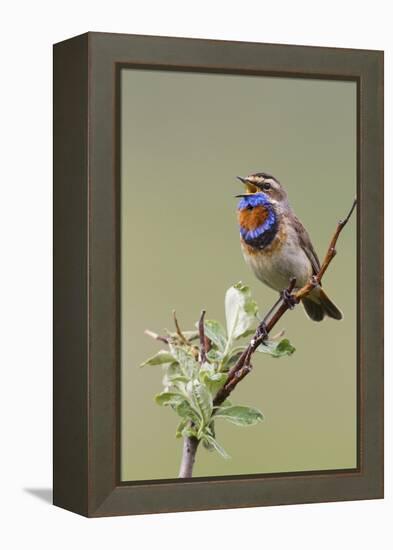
<point>330,308</point>
<point>317,308</point>
<point>313,309</point>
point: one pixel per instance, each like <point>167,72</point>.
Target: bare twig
<point>202,338</point>
<point>178,330</point>
<point>157,336</point>
<point>330,254</point>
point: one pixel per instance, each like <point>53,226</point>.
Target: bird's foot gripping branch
<point>203,366</point>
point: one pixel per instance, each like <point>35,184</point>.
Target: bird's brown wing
<point>306,244</point>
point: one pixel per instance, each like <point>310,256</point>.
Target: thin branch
<point>202,338</point>
<point>157,336</point>
<point>178,330</point>
<point>329,256</point>
<point>236,378</point>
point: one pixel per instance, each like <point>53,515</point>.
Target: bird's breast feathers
<point>258,222</point>
<point>281,260</point>
<point>251,219</point>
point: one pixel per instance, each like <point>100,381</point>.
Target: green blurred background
<point>184,138</point>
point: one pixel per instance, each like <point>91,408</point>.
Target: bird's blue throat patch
<point>263,234</point>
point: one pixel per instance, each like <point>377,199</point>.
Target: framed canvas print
<point>218,274</point>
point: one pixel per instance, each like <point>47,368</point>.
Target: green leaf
<point>185,359</point>
<point>207,369</point>
<point>188,431</point>
<point>240,415</point>
<point>173,374</point>
<point>201,402</point>
<point>240,311</point>
<point>180,427</point>
<point>214,356</point>
<point>161,358</point>
<point>230,359</point>
<point>213,444</point>
<point>209,430</point>
<point>216,333</point>
<point>168,398</point>
<point>205,401</point>
<point>280,349</point>
<point>285,347</point>
<point>211,379</point>
<point>186,411</point>
<point>208,446</point>
<point>216,382</point>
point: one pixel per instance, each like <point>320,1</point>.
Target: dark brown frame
<point>86,274</point>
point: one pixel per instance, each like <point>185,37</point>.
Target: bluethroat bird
<point>276,245</point>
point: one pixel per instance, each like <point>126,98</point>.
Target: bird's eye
<point>249,207</point>
<point>266,186</point>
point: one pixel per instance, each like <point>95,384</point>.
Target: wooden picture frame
<point>86,274</point>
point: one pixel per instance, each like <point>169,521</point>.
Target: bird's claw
<point>261,332</point>
<point>288,298</point>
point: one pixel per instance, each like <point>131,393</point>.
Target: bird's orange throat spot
<point>251,219</point>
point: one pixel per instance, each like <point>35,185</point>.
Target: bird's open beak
<point>250,187</point>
